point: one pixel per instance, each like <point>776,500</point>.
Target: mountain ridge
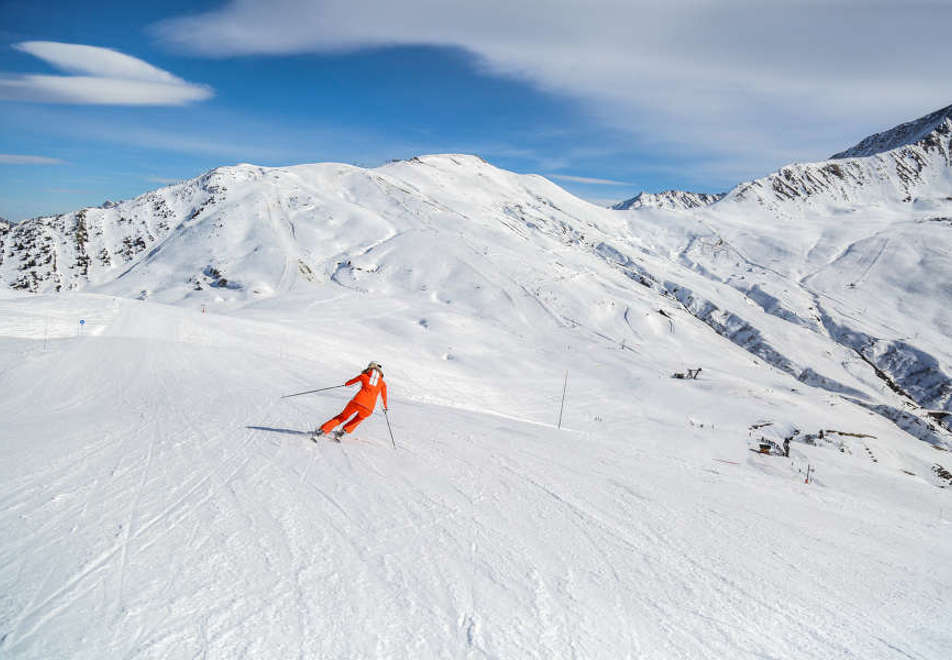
<point>902,135</point>
<point>669,199</point>
<point>901,175</point>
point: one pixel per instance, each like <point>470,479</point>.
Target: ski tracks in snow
<point>125,487</point>
<point>193,533</point>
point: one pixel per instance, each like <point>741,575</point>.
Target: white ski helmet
<point>375,365</point>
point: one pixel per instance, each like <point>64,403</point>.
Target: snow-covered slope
<point>200,520</point>
<point>856,250</point>
<point>669,199</point>
<point>161,501</point>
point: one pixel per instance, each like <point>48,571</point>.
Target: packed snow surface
<point>159,498</point>
<point>161,501</point>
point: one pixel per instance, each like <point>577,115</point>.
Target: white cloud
<point>103,77</point>
<point>743,82</point>
<point>95,61</point>
<point>586,179</point>
<point>23,159</point>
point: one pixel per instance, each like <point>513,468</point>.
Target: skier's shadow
<point>285,431</point>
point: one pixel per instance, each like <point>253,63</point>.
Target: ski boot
<point>337,435</point>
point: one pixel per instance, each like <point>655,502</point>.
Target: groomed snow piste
<point>161,501</point>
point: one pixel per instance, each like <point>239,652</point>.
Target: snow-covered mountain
<point>874,228</point>
<point>669,199</point>
<point>253,230</point>
<point>910,164</point>
<point>70,251</point>
<point>856,249</point>
<point>201,520</point>
<point>245,233</point>
<point>927,128</point>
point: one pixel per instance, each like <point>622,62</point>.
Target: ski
<point>334,436</point>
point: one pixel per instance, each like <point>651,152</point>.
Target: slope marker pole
<point>565,384</point>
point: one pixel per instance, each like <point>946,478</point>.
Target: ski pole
<point>387,417</point>
<point>322,389</point>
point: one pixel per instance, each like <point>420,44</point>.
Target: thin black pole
<point>322,389</point>
<point>386,416</point>
<point>565,384</point>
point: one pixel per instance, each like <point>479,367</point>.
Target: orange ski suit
<point>362,405</point>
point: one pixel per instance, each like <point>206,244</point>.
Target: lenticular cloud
<point>101,76</point>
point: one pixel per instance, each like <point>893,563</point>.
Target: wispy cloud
<point>101,76</point>
<point>25,159</point>
<point>214,136</point>
<point>588,179</point>
<point>738,81</point>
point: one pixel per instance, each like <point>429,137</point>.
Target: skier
<point>362,405</point>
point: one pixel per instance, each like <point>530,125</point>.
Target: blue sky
<point>606,97</point>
